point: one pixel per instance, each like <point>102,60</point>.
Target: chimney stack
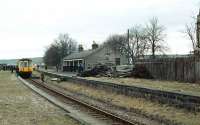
<point>94,45</point>
<point>80,48</point>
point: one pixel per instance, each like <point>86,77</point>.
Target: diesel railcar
<point>25,67</point>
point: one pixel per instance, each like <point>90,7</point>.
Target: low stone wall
<point>175,99</point>
<point>180,100</point>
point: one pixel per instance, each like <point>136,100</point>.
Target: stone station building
<point>90,58</point>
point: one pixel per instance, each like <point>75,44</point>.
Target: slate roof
<point>81,55</point>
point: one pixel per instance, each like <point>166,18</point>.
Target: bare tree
<point>138,41</point>
<point>190,31</point>
<point>133,48</point>
<point>51,56</point>
<point>156,36</point>
<point>62,46</point>
<point>117,43</point>
<point>66,45</point>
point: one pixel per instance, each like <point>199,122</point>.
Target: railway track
<point>102,117</point>
<point>176,99</point>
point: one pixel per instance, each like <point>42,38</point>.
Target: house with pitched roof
<point>88,59</point>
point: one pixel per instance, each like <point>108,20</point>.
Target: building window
<point>65,63</point>
<point>89,66</point>
<point>117,61</point>
<point>107,53</point>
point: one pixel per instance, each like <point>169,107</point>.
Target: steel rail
<point>113,117</point>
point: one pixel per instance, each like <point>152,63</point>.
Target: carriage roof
<point>25,59</point>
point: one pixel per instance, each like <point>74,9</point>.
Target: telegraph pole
<point>198,30</point>
<point>128,37</point>
<point>197,50</point>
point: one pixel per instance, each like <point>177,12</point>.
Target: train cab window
<point>24,64</point>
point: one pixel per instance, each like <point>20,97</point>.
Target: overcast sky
<point>28,26</point>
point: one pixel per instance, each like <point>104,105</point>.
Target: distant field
<point>36,60</point>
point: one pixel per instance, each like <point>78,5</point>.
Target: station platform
<point>53,71</point>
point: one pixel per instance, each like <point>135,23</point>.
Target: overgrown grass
<point>187,88</point>
<point>173,86</point>
<point>145,106</point>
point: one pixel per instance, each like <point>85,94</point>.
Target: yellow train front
<point>25,68</point>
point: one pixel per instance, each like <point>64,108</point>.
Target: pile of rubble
<point>138,71</point>
<point>123,71</point>
<point>99,70</point>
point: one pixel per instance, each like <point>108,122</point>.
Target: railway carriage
<point>25,68</point>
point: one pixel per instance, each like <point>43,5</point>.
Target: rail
<point>116,120</point>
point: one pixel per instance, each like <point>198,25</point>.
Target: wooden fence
<point>185,69</point>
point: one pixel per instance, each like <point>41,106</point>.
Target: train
<point>24,67</point>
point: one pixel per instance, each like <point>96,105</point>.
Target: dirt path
<point>20,106</point>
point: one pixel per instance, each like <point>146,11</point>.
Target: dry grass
<point>20,106</point>
<point>147,107</point>
<point>188,88</point>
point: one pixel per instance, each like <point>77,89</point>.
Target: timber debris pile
<point>99,70</point>
<point>137,71</point>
